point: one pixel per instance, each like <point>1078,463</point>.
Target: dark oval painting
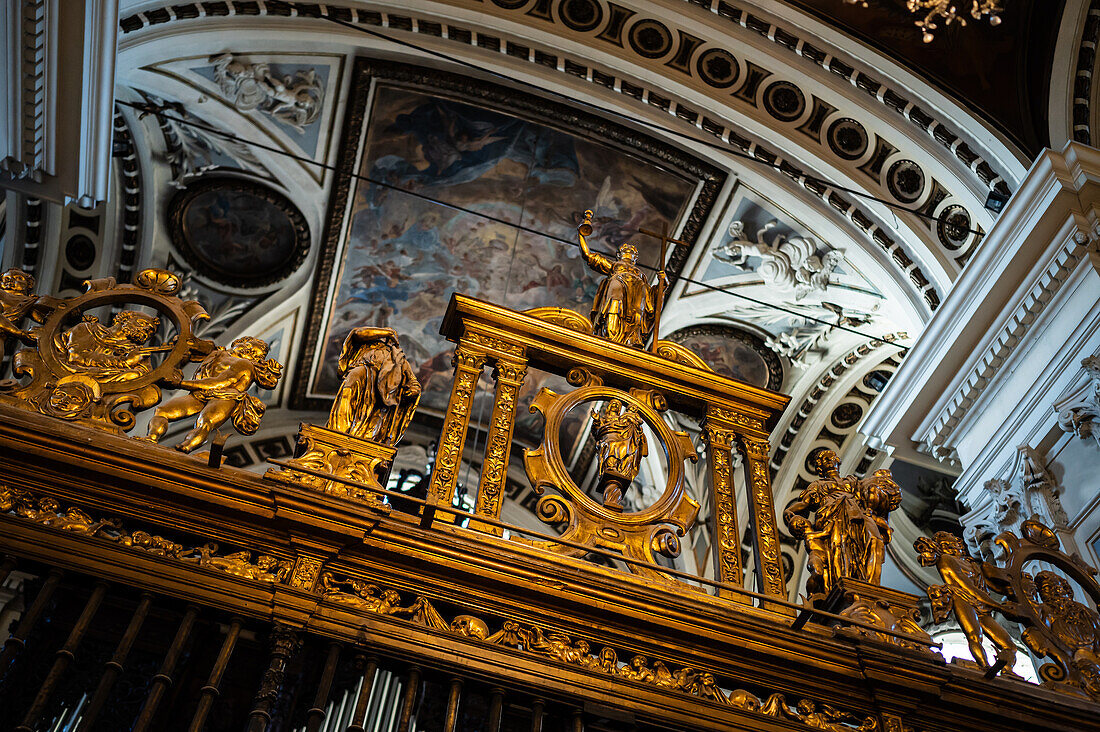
<point>239,233</point>
<point>733,353</point>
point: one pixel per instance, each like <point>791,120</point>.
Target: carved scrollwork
<point>636,534</point>
<point>564,317</point>
<point>80,369</point>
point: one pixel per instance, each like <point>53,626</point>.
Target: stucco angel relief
<point>788,264</point>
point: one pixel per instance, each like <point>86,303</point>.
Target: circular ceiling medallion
<point>650,39</point>
<point>784,101</point>
<point>238,233</point>
<point>953,227</point>
<point>905,179</point>
<point>580,15</point>
<point>734,353</point>
<point>848,138</point>
<point>717,67</point>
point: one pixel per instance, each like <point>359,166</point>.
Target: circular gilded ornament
<point>905,179</point>
<point>734,353</point>
<point>580,15</point>
<point>848,138</point>
<point>238,233</point>
<point>717,67</point>
<point>784,101</point>
<point>953,227</point>
<point>650,39</point>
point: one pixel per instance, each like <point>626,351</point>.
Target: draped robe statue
<point>620,447</point>
<point>379,392</point>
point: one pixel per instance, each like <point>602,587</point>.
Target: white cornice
<point>1035,245</point>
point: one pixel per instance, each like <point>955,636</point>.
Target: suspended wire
<point>145,109</point>
<point>315,12</point>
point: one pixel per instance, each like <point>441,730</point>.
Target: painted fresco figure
<point>966,593</point>
<point>219,392</point>
<point>625,307</point>
<point>620,447</point>
<point>379,392</point>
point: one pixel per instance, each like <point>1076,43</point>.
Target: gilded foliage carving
<point>767,535</point>
<point>468,364</point>
<point>498,446</point>
<point>557,646</point>
<point>719,441</point>
<point>47,511</point>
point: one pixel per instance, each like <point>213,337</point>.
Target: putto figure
<point>620,447</point>
<point>111,353</point>
<point>625,308</point>
<point>379,393</point>
<point>16,300</point>
<point>966,593</point>
<point>847,537</point>
<point>219,392</point>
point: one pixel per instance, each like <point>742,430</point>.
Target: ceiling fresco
<point>401,257</point>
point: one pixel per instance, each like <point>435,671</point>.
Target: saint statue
<point>966,593</point>
<point>16,300</point>
<point>219,392</point>
<point>379,393</point>
<point>626,306</point>
<point>848,535</point>
<point>110,354</point>
<point>620,447</point>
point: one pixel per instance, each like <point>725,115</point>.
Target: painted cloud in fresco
<point>405,256</point>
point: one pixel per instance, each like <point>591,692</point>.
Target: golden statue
<point>219,392</point>
<point>967,594</point>
<point>620,447</point>
<point>626,306</point>
<point>379,393</point>
<point>111,353</point>
<point>16,301</point>
<point>848,535</point>
<point>1076,626</point>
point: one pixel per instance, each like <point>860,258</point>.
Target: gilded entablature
<point>358,595</point>
<point>47,511</point>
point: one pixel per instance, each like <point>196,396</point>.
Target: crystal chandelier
<point>947,11</point>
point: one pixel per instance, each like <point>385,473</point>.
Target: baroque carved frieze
<point>47,511</point>
<point>362,596</point>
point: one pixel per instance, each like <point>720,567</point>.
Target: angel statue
<point>966,593</point>
<point>620,447</point>
<point>626,305</point>
<point>16,300</point>
<point>379,393</point>
<point>219,392</point>
<point>790,264</point>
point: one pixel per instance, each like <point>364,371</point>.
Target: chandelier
<point>947,12</point>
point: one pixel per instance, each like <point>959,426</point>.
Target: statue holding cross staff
<point>627,309</point>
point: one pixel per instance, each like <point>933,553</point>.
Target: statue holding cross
<point>627,309</point>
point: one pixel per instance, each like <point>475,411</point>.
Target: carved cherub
<point>219,392</point>
<point>111,353</point>
<point>620,447</point>
<point>967,594</point>
<point>1076,626</point>
<point>16,301</point>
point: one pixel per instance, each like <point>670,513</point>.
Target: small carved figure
<point>379,393</point>
<point>849,533</point>
<point>113,353</point>
<point>967,594</point>
<point>1076,626</point>
<point>789,264</point>
<point>625,307</point>
<point>294,100</point>
<point>219,392</point>
<point>16,300</point>
<point>620,447</point>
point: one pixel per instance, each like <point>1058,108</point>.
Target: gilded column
<point>509,376</point>
<point>468,363</point>
<point>769,567</point>
<point>726,542</point>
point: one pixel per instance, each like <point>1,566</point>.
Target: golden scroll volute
<point>639,535</point>
<point>98,373</point>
